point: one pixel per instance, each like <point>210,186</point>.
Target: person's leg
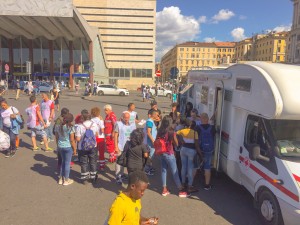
<point>17,141</point>
<point>83,159</point>
<point>190,155</point>
<point>164,170</point>
<point>184,162</point>
<point>59,159</point>
<point>110,146</point>
<point>101,149</point>
<point>68,157</point>
<point>62,152</point>
<point>178,163</point>
<point>118,168</point>
<point>93,164</point>
<point>33,138</point>
<point>174,171</point>
<point>207,169</point>
<point>43,134</point>
<point>12,137</point>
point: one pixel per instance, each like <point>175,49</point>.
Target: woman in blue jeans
<point>166,133</point>
<point>189,149</point>
<point>65,136</point>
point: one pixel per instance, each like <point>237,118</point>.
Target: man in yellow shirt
<point>126,209</point>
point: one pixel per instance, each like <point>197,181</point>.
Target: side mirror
<point>254,153</point>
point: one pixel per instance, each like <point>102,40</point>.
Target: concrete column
<point>51,66</point>
<point>91,60</point>
<point>71,64</point>
<point>30,46</point>
<point>11,56</point>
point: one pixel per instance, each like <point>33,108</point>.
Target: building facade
<point>243,50</point>
<point>126,31</point>
<point>196,54</point>
<point>107,40</point>
<point>294,38</point>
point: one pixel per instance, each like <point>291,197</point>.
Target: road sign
<point>6,67</point>
<point>174,72</point>
<point>158,73</point>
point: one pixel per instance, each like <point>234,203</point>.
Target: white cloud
<point>173,28</point>
<point>238,34</point>
<point>210,39</point>
<point>202,19</point>
<point>222,15</point>
<point>282,28</point>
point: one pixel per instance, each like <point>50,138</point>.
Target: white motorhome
<point>256,110</point>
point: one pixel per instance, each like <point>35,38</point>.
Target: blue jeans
<point>187,160</point>
<point>49,133</point>
<point>66,155</point>
<point>169,161</point>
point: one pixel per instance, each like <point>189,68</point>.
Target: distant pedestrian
<point>47,110</point>
<point>77,88</point>
<point>95,88</point>
<point>56,98</point>
<point>18,88</point>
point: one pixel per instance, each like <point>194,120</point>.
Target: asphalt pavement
<point>30,195</point>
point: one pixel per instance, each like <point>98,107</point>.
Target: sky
<point>178,21</point>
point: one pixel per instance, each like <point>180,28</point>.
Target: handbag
<point>122,159</point>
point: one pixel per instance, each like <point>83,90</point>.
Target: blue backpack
<point>89,140</point>
<point>206,139</point>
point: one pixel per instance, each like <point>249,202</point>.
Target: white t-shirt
<point>6,115</point>
<point>80,131</point>
<point>100,124</point>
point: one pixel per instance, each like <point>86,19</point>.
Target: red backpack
<point>160,145</point>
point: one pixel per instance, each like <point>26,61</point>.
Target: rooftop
<point>206,44</point>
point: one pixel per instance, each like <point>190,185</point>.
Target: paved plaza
<point>30,195</point>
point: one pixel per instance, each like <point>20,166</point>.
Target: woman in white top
<point>97,119</point>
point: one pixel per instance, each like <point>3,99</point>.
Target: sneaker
<point>207,187</point>
<point>183,194</point>
<point>68,182</point>
<point>12,153</point>
<point>165,193</point>
<point>119,181</point>
<point>60,181</point>
<point>149,173</point>
<point>35,149</point>
<point>49,150</point>
<point>7,154</point>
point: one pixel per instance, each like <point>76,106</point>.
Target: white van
<point>256,110</point>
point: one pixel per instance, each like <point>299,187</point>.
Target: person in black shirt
<point>137,151</point>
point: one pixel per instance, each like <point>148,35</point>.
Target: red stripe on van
<point>271,181</point>
<point>297,178</point>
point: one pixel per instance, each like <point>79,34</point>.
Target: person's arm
<point>78,133</point>
<point>175,140</point>
<point>73,144</point>
<point>145,152</point>
<point>116,138</point>
<point>51,112</point>
<point>150,135</point>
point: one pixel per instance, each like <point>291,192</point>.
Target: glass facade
<point>39,52</point>
<point>127,73</point>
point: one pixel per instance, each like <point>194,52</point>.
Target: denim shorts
<point>38,130</point>
<point>207,160</point>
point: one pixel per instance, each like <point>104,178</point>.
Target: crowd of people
<point>182,143</point>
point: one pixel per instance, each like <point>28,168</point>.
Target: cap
<point>153,103</point>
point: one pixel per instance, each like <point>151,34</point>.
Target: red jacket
<point>109,123</point>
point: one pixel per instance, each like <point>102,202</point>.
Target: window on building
<point>187,49</point>
<point>208,50</point>
<point>279,41</point>
<point>278,49</point>
<point>192,55</point>
<point>186,61</point>
<point>193,49</point>
<point>278,58</point>
<point>181,49</point>
<point>197,56</point>
<point>187,55</point>
<point>186,68</point>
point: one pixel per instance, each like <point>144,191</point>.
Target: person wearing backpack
<point>10,125</point>
<point>206,134</point>
<point>166,138</point>
<point>122,133</point>
<point>86,134</point>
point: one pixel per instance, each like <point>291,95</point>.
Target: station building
<point>112,41</point>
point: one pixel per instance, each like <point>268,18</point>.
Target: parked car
<point>44,87</point>
<point>108,89</point>
<point>161,92</point>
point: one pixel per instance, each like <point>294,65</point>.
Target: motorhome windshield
<point>287,135</point>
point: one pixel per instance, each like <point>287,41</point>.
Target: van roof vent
<point>228,95</point>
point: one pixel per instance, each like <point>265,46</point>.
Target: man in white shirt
<point>133,115</point>
<point>87,159</point>
<point>122,133</point>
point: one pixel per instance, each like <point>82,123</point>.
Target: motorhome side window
<point>243,84</point>
<point>256,134</point>
<point>204,95</point>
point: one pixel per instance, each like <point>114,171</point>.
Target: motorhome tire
<point>269,209</point>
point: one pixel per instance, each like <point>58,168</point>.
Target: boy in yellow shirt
<point>126,209</point>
